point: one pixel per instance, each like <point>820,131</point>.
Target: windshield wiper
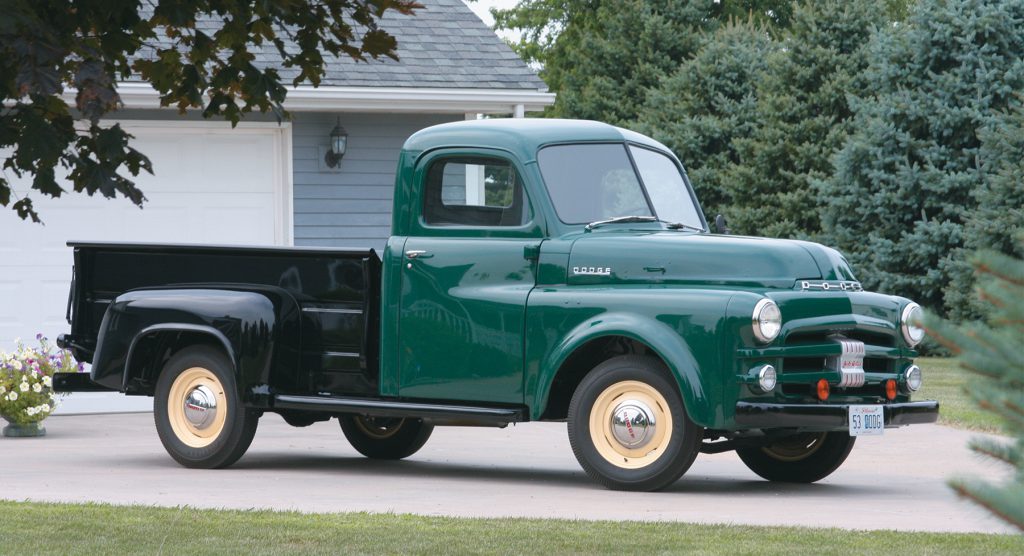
<point>635,218</point>
<point>618,219</point>
<point>681,226</point>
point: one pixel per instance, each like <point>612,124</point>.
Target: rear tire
<point>648,450</point>
<point>801,458</point>
<point>199,415</point>
<point>385,437</point>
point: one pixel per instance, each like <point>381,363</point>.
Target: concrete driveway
<point>893,482</point>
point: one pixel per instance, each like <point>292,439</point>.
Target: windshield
<point>588,183</point>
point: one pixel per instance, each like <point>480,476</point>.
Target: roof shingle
<point>444,45</point>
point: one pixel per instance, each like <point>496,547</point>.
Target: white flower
<point>47,381</point>
<point>17,365</point>
<point>23,387</point>
<point>37,387</point>
<point>53,396</point>
<point>45,408</point>
<point>12,396</point>
<point>31,411</point>
<point>3,390</point>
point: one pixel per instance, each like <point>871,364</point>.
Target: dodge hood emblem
<point>831,285</point>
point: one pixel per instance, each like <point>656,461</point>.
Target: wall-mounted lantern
<point>339,144</point>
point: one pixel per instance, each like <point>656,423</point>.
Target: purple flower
<point>39,336</point>
<point>81,367</point>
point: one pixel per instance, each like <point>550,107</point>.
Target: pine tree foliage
<point>602,56</point>
<point>629,45</point>
<point>904,182</point>
<point>999,216</point>
<point>805,118</point>
<point>707,104</point>
<point>994,354</point>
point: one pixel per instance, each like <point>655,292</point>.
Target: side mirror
<point>721,226</point>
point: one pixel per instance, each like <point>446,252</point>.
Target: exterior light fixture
<point>339,144</point>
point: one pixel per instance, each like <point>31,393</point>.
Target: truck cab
<point>538,270</point>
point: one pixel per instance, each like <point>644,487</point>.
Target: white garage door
<point>212,184</point>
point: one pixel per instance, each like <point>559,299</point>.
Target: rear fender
<point>257,327</point>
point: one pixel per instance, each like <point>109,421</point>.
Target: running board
<point>391,408</point>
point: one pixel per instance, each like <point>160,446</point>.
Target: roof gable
<point>444,45</point>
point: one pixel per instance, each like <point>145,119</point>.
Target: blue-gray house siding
<point>349,206</point>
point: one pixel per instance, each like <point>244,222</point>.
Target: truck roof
<point>522,136</point>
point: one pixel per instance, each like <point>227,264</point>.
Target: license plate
<point>867,420</point>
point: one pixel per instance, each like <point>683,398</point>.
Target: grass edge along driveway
<point>35,528</point>
<point>946,382</point>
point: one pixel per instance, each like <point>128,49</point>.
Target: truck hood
<point>677,257</point>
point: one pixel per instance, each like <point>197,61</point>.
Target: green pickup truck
<point>539,270</point>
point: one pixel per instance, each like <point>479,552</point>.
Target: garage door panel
<point>215,160</point>
<point>212,185</point>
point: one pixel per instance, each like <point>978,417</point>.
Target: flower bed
<point>26,380</point>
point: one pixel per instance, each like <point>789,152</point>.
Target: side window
<point>474,191</point>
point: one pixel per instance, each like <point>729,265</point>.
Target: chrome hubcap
<point>633,424</point>
<point>200,407</point>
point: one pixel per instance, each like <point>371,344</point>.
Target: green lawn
<point>31,528</point>
<point>945,381</point>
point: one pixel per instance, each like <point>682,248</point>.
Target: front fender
<point>659,337</point>
<point>685,326</point>
<point>258,328</point>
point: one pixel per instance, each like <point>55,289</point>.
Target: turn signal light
<point>890,389</point>
<point>823,390</point>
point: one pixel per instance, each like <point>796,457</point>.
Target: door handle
<point>417,254</point>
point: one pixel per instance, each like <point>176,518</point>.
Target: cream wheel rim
<point>797,448</point>
<point>640,404</point>
<point>379,428</point>
<point>193,431</point>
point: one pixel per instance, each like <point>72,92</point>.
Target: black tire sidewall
<point>239,424</point>
<point>683,444</point>
<point>406,441</point>
<point>823,462</point>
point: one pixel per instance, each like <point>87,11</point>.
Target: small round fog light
<point>767,378</point>
<point>912,378</point>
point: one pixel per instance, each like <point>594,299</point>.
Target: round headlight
<point>767,320</point>
<point>767,378</point>
<point>910,322</point>
<point>912,378</point>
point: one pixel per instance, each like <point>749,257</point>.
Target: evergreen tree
<point>628,47</point>
<point>602,56</point>
<point>805,118</point>
<point>709,102</point>
<point>905,180</point>
<point>992,354</point>
<point>999,216</point>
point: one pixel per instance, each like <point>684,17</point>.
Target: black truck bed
<point>338,291</point>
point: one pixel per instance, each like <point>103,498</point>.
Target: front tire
<point>801,458</point>
<point>385,437</point>
<point>199,415</point>
<point>628,427</point>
